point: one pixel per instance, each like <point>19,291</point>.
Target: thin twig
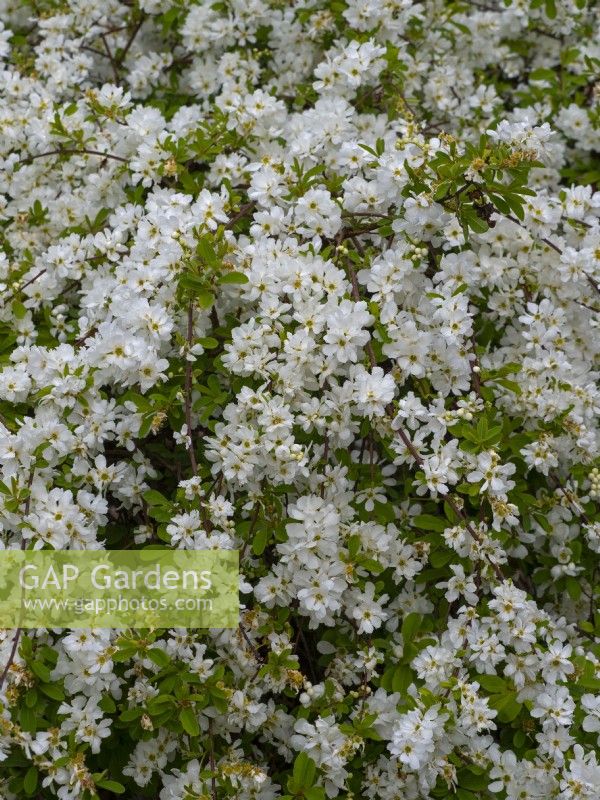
<point>250,644</point>
<point>213,777</point>
<point>475,369</point>
<point>593,283</point>
<point>129,42</point>
<point>19,631</point>
<point>81,340</point>
<point>188,388</point>
<point>240,214</point>
<point>250,531</point>
<point>408,443</point>
<point>11,657</point>
<point>111,58</point>
<point>73,152</point>
<point>24,286</point>
<point>356,297</point>
<point>570,499</point>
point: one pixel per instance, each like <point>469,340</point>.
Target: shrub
<point>320,283</point>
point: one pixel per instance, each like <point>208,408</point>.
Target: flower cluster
<point>318,282</point>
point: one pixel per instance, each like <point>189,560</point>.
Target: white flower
<point>494,476</point>
<point>373,391</point>
<point>554,705</point>
<point>367,611</point>
<point>556,664</point>
<point>345,330</point>
<point>591,704</point>
<point>459,585</point>
<point>414,736</point>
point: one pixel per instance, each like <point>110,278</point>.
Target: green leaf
<point>205,299</point>
<point>52,690</point>
<point>315,793</point>
<point>160,513</point>
<point>410,626</point>
<point>506,705</point>
<point>107,704</point>
<point>402,677</point>
<point>130,714</point>
<point>154,498</point>
<point>428,522</point>
<point>519,739</point>
<point>189,720</point>
<point>467,488</point>
<point>467,779</point>
<point>206,251</point>
<point>491,683</point>
<point>473,221</point>
<point>543,75</point>
<point>233,277</point>
<point>157,705</point>
<point>41,670</point>
<point>573,588</point>
<point>28,719</point>
<point>160,658</point>
<point>512,386</point>
<point>30,780</point>
<point>31,698</point>
<point>193,282</point>
<point>516,206</point>
<point>304,771</point>
<point>500,204</point>
<point>208,343</point>
<point>259,542</point>
<point>438,558</point>
<point>18,309</point>
<point>112,786</point>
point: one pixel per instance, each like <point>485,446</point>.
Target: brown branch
<point>71,152</point>
<point>408,443</point>
<point>213,777</point>
<point>475,369</point>
<point>250,644</point>
<point>188,388</point>
<point>569,497</point>
<point>20,289</point>
<point>253,524</point>
<point>541,238</point>
<point>11,657</point>
<point>240,214</point>
<point>356,297</point>
<point>188,410</point>
<point>130,41</point>
<point>19,631</point>
<point>78,342</point>
<point>111,58</point>
<point>93,50</point>
<point>593,283</point>
<point>350,214</point>
<point>585,305</point>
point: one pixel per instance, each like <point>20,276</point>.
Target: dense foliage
<point>318,281</point>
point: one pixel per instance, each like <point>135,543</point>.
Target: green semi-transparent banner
<point>119,588</point>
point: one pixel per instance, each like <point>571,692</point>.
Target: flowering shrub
<point>318,282</point>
